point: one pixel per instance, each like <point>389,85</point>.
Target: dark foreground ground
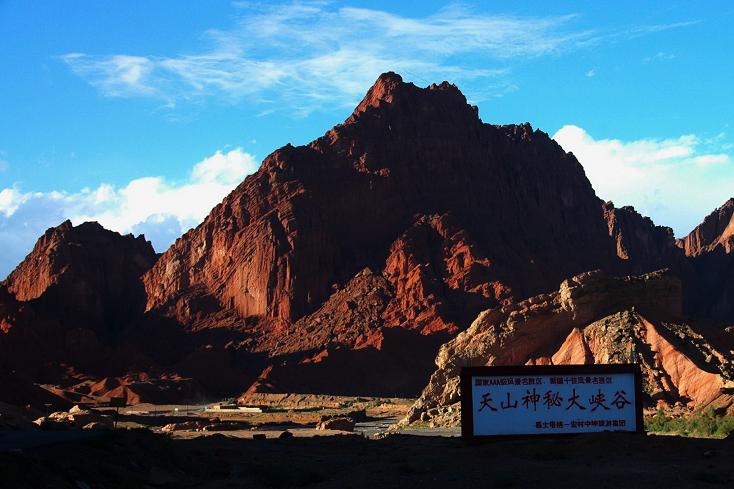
<point>139,458</point>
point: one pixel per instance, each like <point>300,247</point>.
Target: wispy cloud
<point>630,32</point>
<point>676,180</point>
<point>305,53</point>
<point>155,206</point>
<point>641,30</point>
<point>115,76</point>
<point>659,56</point>
<point>299,55</point>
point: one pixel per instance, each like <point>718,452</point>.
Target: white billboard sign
<point>545,400</point>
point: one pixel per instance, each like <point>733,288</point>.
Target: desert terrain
<point>331,441</point>
<point>148,457</point>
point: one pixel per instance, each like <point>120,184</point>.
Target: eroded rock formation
<point>592,318</point>
<point>314,216</point>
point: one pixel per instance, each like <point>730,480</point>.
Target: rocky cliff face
<point>641,244</point>
<point>592,318</point>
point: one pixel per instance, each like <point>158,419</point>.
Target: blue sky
<point>143,115</point>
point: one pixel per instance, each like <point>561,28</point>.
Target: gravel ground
<point>140,458</point>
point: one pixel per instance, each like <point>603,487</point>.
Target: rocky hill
<point>390,189</point>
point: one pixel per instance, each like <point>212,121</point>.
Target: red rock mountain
<point>339,266</point>
<point>449,214</point>
<point>314,216</point>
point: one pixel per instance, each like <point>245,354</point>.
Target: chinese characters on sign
<point>603,399</point>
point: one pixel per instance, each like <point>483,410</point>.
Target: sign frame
<point>467,402</point>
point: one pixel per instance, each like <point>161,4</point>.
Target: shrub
<point>703,424</point>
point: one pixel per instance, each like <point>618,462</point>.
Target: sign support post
<point>117,403</point>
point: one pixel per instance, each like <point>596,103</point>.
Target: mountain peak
<point>389,77</point>
<point>443,100</point>
<point>382,90</point>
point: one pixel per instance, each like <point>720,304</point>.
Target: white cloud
<point>637,31</point>
<point>224,168</point>
<point>713,159</point>
<point>10,200</point>
<point>674,181</point>
<point>4,165</point>
<point>591,73</point>
<point>161,209</point>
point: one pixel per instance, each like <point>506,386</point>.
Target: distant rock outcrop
<point>710,266</point>
<point>638,241</point>
<point>717,229</point>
